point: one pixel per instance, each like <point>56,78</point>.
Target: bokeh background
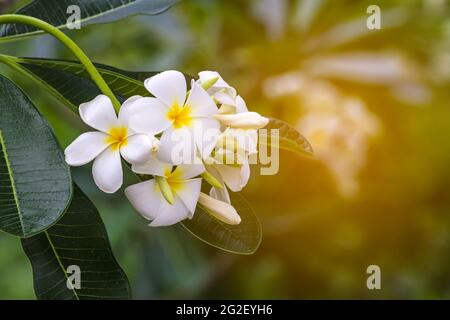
<point>375,104</point>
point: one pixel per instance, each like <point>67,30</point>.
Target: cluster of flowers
<point>175,138</point>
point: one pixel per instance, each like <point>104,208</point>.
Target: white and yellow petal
<point>126,110</point>
<point>85,148</point>
<point>153,167</point>
<point>205,134</point>
<point>148,115</point>
<point>188,192</point>
<point>146,198</point>
<point>99,113</point>
<point>171,214</point>
<point>168,86</point>
<point>177,146</point>
<point>107,170</point>
<point>200,103</point>
<point>138,148</point>
<point>189,171</point>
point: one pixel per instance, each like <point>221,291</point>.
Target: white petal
<point>235,177</point>
<point>207,75</point>
<point>245,174</point>
<point>168,86</point>
<point>99,113</point>
<point>219,194</point>
<point>188,171</point>
<point>239,139</point>
<point>200,102</point>
<point>227,109</point>
<point>252,141</point>
<point>177,146</point>
<point>126,110</point>
<point>153,167</point>
<point>220,84</point>
<point>225,98</point>
<point>229,157</point>
<point>107,171</point>
<point>241,106</point>
<point>85,148</point>
<point>138,148</point>
<point>189,194</point>
<point>148,115</point>
<point>220,210</point>
<point>146,198</point>
<point>171,214</point>
<point>206,131</point>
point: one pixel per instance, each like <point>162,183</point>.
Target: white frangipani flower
<point>177,113</point>
<point>149,200</point>
<point>113,139</point>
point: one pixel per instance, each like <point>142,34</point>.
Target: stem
<point>69,44</point>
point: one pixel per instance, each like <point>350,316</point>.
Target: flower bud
<point>244,120</point>
<point>219,209</point>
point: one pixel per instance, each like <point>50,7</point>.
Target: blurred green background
<point>374,103</point>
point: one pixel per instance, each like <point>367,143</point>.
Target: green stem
<point>69,44</point>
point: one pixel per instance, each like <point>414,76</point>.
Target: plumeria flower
<point>148,199</point>
<point>184,118</point>
<point>113,139</point>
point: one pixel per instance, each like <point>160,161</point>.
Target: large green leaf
<point>80,239</point>
<point>69,82</point>
<point>35,182</point>
<point>98,11</point>
<point>289,138</point>
<point>243,238</point>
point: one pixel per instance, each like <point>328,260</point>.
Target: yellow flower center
<point>174,179</point>
<point>117,137</point>
<point>180,116</point>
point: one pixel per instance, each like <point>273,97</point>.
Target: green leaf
<point>243,238</point>
<point>56,13</point>
<point>80,239</point>
<point>35,182</point>
<point>289,138</point>
<point>68,81</point>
